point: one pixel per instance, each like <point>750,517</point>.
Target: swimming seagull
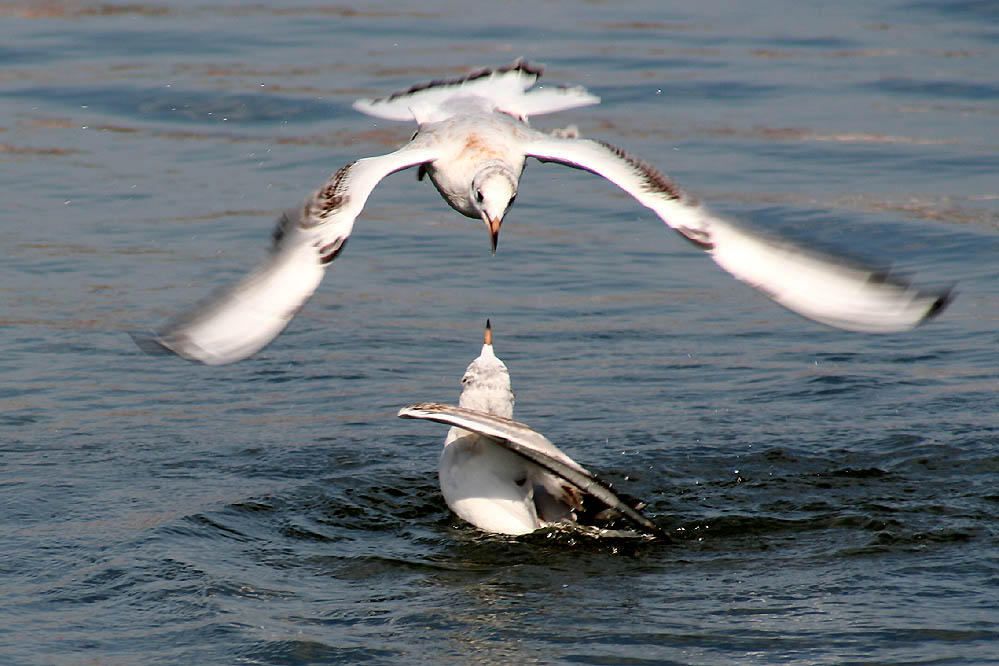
<point>472,142</point>
<point>504,477</point>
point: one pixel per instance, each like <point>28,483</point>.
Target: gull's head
<point>485,387</point>
<point>494,188</point>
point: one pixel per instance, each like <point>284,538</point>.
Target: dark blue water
<point>833,495</point>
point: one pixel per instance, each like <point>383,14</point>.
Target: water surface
<point>833,495</point>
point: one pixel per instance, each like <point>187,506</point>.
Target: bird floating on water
<point>472,142</point>
<point>504,477</point>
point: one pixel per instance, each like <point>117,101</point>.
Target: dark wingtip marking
<point>281,229</point>
<point>698,237</point>
<point>149,343</point>
<point>330,251</point>
<point>329,199</point>
<point>432,407</point>
<point>655,180</point>
<point>940,304</point>
<point>520,65</point>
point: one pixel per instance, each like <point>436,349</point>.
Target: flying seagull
<point>472,142</point>
<point>504,477</point>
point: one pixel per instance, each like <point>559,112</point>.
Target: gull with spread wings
<point>472,142</point>
<point>504,477</point>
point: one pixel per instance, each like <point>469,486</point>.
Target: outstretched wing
<point>533,446</point>
<point>820,286</point>
<point>504,88</point>
<point>240,320</point>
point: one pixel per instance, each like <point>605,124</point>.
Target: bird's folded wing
<point>533,446</point>
<point>818,285</point>
<point>240,320</point>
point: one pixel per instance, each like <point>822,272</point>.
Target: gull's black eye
<point>478,196</point>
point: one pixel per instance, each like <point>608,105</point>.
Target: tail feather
<point>504,88</point>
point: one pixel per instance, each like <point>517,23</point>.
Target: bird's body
<point>472,142</point>
<point>484,483</point>
<point>504,477</point>
<point>478,480</point>
<point>467,144</point>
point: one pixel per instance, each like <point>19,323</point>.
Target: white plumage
<point>504,477</point>
<point>472,142</point>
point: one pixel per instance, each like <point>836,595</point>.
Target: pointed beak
<point>493,224</point>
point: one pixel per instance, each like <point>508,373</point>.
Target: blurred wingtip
<point>150,343</point>
<point>941,303</point>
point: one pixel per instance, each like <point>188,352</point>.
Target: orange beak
<point>493,224</point>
